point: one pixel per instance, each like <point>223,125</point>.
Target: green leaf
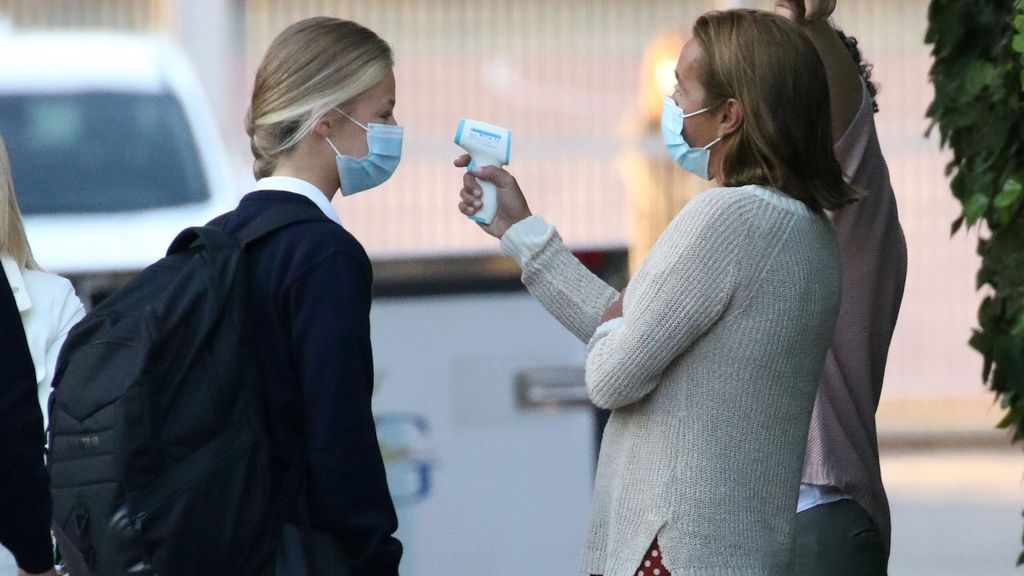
<point>979,341</point>
<point>979,76</point>
<point>1008,420</point>
<point>975,207</point>
<point>988,317</point>
<point>959,184</point>
<point>977,113</point>
<point>1005,402</point>
<point>983,277</point>
<point>1008,199</point>
<point>1018,326</point>
<point>1008,361</point>
<point>956,226</point>
<point>982,342</point>
<point>1010,194</point>
<point>1003,256</point>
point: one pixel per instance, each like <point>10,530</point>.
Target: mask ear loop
<point>688,114</point>
<point>701,111</point>
<point>684,113</point>
<point>357,122</point>
<point>332,146</point>
<point>716,140</point>
<point>713,142</point>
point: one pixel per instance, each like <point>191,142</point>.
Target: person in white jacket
<point>48,307</point>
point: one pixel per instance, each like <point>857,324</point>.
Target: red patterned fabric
<point>651,564</point>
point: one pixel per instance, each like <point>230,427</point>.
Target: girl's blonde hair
<point>311,66</point>
<point>13,241</point>
<point>769,65</point>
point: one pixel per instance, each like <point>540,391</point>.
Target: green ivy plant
<point>978,73</point>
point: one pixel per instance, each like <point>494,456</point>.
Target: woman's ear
<point>323,126</point>
<point>730,117</point>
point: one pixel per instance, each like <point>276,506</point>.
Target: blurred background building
<point>580,83</point>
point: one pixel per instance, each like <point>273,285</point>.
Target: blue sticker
<point>458,133</point>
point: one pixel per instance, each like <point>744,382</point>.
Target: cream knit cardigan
<point>710,375</point>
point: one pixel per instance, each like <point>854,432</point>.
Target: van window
<point>95,152</point>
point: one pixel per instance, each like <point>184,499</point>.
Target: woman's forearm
<point>844,83</point>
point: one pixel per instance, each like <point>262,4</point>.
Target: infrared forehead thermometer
<point>488,145</point>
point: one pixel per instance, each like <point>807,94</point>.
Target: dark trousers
<point>839,539</point>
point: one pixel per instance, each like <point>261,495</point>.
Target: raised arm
<point>844,82</point>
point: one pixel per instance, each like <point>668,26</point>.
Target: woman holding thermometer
<point>711,360</point>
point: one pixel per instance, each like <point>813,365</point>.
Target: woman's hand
<point>512,206</point>
<point>615,310</point>
<point>805,10</point>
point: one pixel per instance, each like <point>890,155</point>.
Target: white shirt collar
<point>17,282</point>
<point>302,188</point>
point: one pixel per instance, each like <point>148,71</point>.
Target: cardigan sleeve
<point>572,294</point>
<point>680,291</point>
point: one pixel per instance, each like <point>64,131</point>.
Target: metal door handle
<point>551,387</point>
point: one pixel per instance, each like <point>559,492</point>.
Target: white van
<point>113,150</point>
<point>489,439</point>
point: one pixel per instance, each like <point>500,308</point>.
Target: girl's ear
<point>324,126</point>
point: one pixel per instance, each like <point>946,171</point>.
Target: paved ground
<point>956,512</point>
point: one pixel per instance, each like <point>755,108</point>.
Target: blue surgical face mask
<point>692,159</point>
<point>384,145</point>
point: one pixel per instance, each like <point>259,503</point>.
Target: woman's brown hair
<point>311,66</point>
<point>769,65</point>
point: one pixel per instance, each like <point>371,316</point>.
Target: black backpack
<point>159,452</point>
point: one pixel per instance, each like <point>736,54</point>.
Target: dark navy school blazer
<point>310,287</point>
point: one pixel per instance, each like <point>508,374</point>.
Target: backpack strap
<point>266,223</point>
<point>221,221</point>
<point>275,218</point>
